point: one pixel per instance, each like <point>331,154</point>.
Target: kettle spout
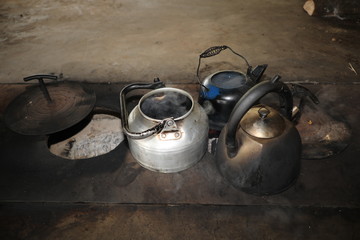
<point>232,146</point>
<point>256,73</point>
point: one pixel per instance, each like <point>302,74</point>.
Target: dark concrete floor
<point>109,221</point>
<point>111,197</point>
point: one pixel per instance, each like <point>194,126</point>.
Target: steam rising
<point>165,105</point>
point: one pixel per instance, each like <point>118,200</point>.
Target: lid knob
<point>263,122</point>
<point>263,112</point>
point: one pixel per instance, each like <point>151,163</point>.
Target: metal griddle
<point>48,108</point>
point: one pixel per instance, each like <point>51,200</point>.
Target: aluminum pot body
<point>169,151</point>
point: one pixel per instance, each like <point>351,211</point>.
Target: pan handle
<point>42,85</point>
<point>40,76</point>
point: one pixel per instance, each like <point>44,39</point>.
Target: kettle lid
<point>263,122</point>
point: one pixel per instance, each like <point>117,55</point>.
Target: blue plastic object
<point>211,93</point>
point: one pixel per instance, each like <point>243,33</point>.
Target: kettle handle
<point>124,113</point>
<point>250,98</point>
<point>213,51</point>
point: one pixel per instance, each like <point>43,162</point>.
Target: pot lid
<point>42,110</point>
<point>263,122</point>
<point>228,79</point>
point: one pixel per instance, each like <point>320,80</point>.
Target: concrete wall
<point>137,40</point>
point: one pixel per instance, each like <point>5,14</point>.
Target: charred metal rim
<point>166,90</point>
<point>57,137</point>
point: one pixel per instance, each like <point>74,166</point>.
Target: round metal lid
<point>34,113</point>
<point>228,79</point>
<point>263,122</point>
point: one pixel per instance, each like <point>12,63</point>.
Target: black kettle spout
<point>256,73</point>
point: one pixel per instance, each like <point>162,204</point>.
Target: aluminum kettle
<point>259,149</point>
<point>167,130</point>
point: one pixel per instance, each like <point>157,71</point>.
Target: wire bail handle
<point>213,51</point>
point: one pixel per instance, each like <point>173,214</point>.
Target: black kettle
<point>220,91</point>
<point>259,149</point>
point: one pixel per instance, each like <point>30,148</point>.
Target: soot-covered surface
<point>326,194</point>
<point>30,173</point>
